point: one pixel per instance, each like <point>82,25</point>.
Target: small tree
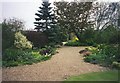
<point>21,41</point>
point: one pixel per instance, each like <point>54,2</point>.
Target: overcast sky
<point>22,9</point>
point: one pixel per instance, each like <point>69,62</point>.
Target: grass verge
<point>96,76</point>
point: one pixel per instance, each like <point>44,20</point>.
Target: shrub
<point>93,58</point>
<point>116,64</point>
<point>47,50</point>
<point>104,55</point>
<point>93,49</point>
<point>108,35</point>
<point>21,41</point>
<point>80,43</point>
<point>15,57</point>
<point>38,39</point>
<point>90,42</point>
<point>46,58</point>
<point>9,27</point>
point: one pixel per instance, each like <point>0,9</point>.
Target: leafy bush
<point>46,58</point>
<point>116,65</point>
<point>15,57</point>
<point>9,27</point>
<point>107,35</point>
<point>47,50</point>
<point>93,58</point>
<point>90,42</point>
<point>104,55</point>
<point>21,41</point>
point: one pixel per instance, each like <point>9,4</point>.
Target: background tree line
<point>90,22</point>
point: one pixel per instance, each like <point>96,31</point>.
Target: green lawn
<point>96,76</point>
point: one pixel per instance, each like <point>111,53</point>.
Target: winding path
<point>66,63</point>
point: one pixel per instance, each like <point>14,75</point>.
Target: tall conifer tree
<point>45,17</point>
<point>46,22</point>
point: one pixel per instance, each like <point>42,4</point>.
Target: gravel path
<point>66,63</point>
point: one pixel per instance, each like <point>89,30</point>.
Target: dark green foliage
<point>46,58</point>
<point>7,36</point>
<point>75,43</point>
<point>38,39</point>
<point>45,17</point>
<point>16,57</point>
<point>115,38</point>
<point>116,64</point>
<point>106,55</point>
<point>88,36</point>
<point>46,22</point>
<point>56,35</point>
<point>9,27</point>
<point>47,50</point>
<point>79,43</point>
<point>109,35</point>
<point>72,16</point>
<point>93,58</point>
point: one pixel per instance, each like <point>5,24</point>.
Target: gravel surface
<point>66,63</point>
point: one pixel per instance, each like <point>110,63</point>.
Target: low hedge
<point>75,43</point>
<point>78,43</point>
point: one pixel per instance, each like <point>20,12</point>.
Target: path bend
<point>66,63</point>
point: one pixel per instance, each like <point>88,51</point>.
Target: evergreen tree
<point>46,22</point>
<point>45,17</point>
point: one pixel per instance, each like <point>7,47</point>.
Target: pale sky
<point>23,9</point>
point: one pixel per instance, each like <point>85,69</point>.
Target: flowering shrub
<point>104,55</point>
<point>21,41</point>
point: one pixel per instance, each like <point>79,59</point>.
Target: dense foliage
<point>45,18</point>
<point>109,35</point>
<point>47,50</point>
<point>9,27</point>
<point>46,23</point>
<point>105,55</point>
<point>73,16</point>
<point>21,41</point>
<point>17,50</point>
<point>38,39</point>
<point>16,57</point>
